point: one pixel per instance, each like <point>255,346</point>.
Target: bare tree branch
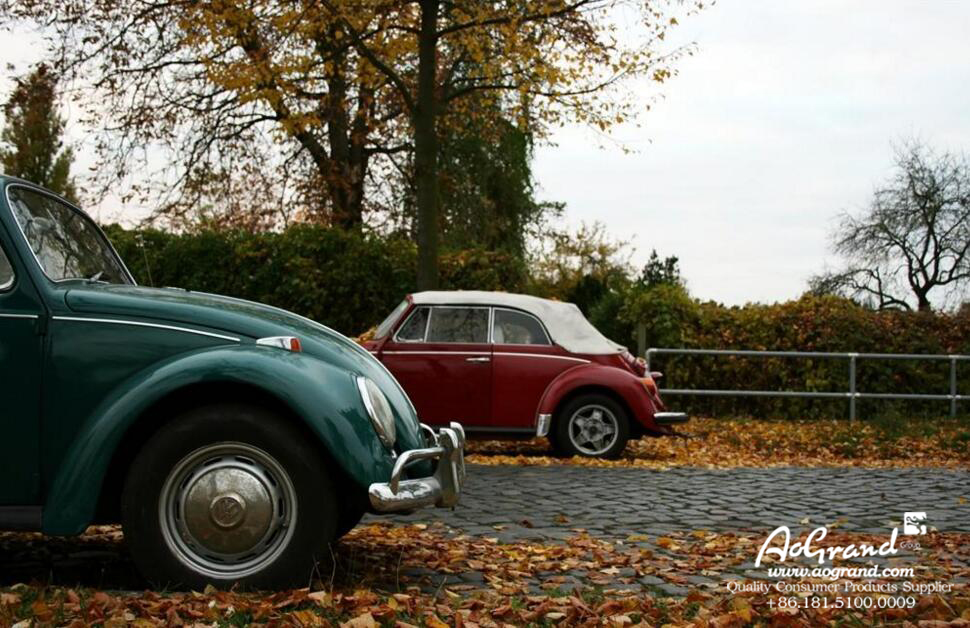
<point>914,238</point>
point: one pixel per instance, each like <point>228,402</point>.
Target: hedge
<point>346,280</point>
<point>822,324</point>
<point>351,280</point>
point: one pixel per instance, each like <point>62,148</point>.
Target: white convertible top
<point>564,321</point>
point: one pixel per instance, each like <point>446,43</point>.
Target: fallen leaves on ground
<point>727,443</point>
<point>373,585</point>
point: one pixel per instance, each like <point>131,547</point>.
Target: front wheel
<point>352,510</point>
<point>228,495</point>
<point>593,426</point>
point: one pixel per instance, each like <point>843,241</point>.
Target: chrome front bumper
<point>442,489</point>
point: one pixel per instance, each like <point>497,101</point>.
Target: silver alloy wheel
<point>227,510</point>
<point>593,429</point>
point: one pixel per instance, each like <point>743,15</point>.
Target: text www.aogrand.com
<point>836,573</point>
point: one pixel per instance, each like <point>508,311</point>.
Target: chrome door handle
<point>478,359</point>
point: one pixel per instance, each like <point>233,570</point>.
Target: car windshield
<point>385,327</point>
<point>67,243</point>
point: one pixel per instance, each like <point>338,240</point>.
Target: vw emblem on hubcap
<point>228,510</point>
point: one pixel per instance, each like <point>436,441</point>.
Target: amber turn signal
<point>290,343</point>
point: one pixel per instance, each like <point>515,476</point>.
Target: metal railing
<point>853,395</point>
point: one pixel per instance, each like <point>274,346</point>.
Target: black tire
<point>610,411</point>
<point>260,456</point>
<point>352,510</point>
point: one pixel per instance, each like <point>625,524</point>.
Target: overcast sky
<point>783,118</point>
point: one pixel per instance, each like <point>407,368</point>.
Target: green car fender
<point>323,396</point>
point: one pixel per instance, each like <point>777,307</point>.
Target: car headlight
<point>378,409</point>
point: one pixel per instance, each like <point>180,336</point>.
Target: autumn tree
<point>310,104</point>
<point>544,61</point>
<point>487,190</point>
<point>259,109</point>
<point>660,271</point>
<point>913,241</point>
<point>33,146</point>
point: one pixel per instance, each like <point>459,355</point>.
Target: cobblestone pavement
<point>633,507</point>
<point>517,503</point>
<point>628,507</point>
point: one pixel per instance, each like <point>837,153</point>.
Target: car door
<point>524,363</point>
<point>21,353</point>
<point>442,358</point>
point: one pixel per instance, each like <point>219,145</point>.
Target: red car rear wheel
<point>593,426</point>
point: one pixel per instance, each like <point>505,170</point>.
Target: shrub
<point>823,324</point>
<point>346,280</point>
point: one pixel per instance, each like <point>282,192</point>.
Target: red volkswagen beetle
<point>515,365</point>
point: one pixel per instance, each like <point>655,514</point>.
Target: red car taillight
<point>637,365</point>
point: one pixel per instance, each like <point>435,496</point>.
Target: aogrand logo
<point>779,545</point>
<point>806,549</point>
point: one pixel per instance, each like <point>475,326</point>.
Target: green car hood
<point>253,320</point>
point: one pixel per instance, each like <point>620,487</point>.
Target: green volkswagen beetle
<point>233,441</point>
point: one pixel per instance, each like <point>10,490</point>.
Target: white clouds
<point>783,119</point>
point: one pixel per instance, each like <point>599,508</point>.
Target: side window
<point>459,324</point>
<point>66,243</point>
<point>6,272</point>
<point>414,328</point>
<point>516,328</point>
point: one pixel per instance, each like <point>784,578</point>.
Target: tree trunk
<point>343,171</point>
<point>923,302</point>
<point>426,147</point>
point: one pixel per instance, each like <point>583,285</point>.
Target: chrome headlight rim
<point>378,410</point>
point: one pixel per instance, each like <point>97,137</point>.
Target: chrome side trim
<point>491,429</point>
<point>27,316</point>
<point>495,353</point>
<point>540,355</point>
<point>437,353</point>
<point>81,319</point>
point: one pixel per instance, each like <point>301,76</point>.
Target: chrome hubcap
<point>593,429</point>
<point>227,509</point>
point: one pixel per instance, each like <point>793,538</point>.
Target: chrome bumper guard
<point>442,489</point>
<point>543,425</point>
